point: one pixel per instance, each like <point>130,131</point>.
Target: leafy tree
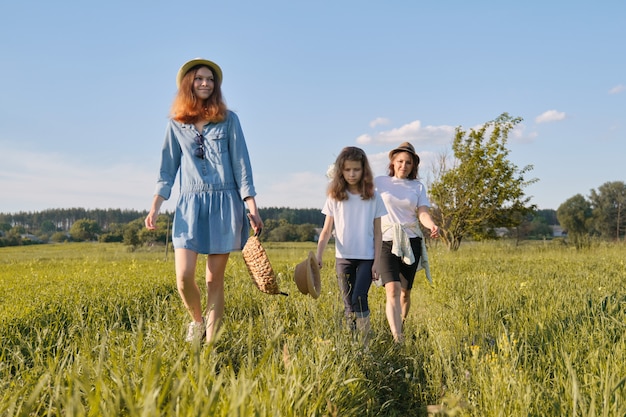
<point>483,189</point>
<point>47,226</point>
<point>269,225</point>
<point>160,234</point>
<point>84,229</point>
<point>286,233</point>
<point>538,228</point>
<point>609,209</point>
<point>114,233</point>
<point>59,237</point>
<point>13,236</point>
<point>131,235</point>
<point>305,232</point>
<point>575,216</point>
<point>291,233</point>
<point>548,216</point>
<point>17,231</point>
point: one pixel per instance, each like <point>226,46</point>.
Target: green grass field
<point>92,329</point>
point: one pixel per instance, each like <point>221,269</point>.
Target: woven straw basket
<point>259,266</point>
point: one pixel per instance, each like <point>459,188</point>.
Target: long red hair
<point>186,108</point>
<point>337,189</point>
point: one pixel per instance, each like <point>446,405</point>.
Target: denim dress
<point>210,215</point>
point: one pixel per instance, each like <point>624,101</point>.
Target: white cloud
<point>379,121</point>
<point>364,139</point>
<point>412,132</point>
<point>550,116</point>
<point>617,89</point>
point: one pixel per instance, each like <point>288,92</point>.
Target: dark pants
<point>391,268</point>
<point>354,277</point>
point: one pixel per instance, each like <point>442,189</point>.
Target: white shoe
<point>195,332</point>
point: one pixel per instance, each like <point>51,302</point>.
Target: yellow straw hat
<point>307,276</point>
<point>217,71</point>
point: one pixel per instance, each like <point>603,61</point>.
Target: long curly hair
<point>338,187</point>
<point>186,108</point>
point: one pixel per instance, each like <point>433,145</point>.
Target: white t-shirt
<point>402,197</point>
<point>354,225</point>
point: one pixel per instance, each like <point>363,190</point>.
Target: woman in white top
<point>354,208</point>
<point>407,205</point>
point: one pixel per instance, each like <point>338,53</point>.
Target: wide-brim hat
<point>307,276</point>
<point>405,147</point>
<point>217,71</point>
<point>259,266</point>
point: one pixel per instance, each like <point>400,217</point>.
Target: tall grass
<point>531,330</point>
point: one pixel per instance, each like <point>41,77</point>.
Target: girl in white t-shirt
<point>354,208</point>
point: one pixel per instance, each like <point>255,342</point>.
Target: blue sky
<point>86,88</point>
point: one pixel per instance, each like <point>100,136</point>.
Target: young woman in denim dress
<point>204,145</point>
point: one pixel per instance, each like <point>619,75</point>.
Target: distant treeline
<point>281,224</point>
<point>117,225</point>
<point>62,219</point>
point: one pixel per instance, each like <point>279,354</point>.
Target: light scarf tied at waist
<point>401,245</point>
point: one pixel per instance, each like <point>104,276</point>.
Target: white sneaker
<point>195,332</point>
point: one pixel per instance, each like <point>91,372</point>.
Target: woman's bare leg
<point>186,282</point>
<point>405,301</point>
<point>393,309</point>
<point>215,270</point>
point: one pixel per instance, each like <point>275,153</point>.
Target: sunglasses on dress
<point>199,151</point>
